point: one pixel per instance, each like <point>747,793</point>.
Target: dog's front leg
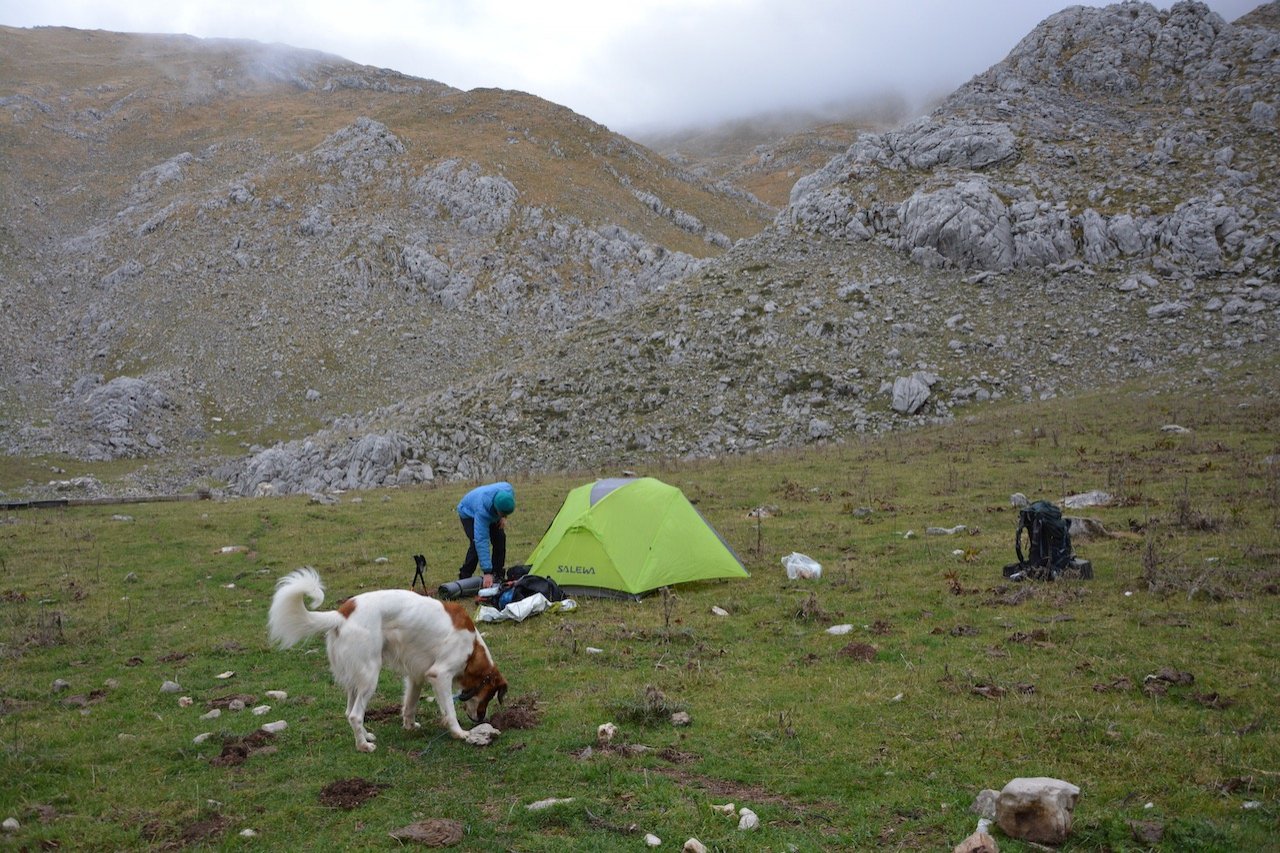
<point>409,706</point>
<point>442,684</point>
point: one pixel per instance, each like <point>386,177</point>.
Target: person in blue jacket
<point>483,512</point>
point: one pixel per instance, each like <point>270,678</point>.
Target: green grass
<point>833,752</point>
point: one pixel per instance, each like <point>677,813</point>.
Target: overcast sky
<point>629,64</point>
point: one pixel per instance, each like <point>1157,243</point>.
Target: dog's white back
<point>424,640</point>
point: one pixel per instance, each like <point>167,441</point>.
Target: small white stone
<point>652,840</point>
<point>248,833</point>
<point>693,845</point>
<point>727,808</point>
<point>719,611</point>
<point>260,710</point>
<point>606,732</point>
<point>1252,804</point>
<point>212,715</point>
<point>277,695</point>
<point>185,701</point>
<point>592,650</point>
<point>224,675</point>
<point>171,687</point>
<point>748,820</point>
<point>202,737</point>
<point>235,705</point>
<point>277,726</point>
<point>839,629</point>
<point>11,824</point>
<point>60,684</point>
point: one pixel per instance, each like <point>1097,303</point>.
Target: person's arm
<point>484,549</point>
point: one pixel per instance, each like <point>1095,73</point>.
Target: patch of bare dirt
<point>675,756</point>
<point>224,702</point>
<point>433,832</point>
<point>1120,683</point>
<point>382,713</point>
<point>238,750</point>
<point>163,836</point>
<point>864,652</point>
<point>203,829</point>
<point>81,700</point>
<point>1214,700</point>
<point>520,713</point>
<point>349,793</point>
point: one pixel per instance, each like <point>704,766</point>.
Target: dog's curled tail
<point>290,622</point>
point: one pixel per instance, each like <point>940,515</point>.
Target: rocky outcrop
<point>365,462</point>
<point>127,417</point>
<point>1068,152</point>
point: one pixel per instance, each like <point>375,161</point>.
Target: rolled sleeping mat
<point>460,588</point>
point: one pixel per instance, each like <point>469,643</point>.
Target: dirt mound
<point>238,750</point>
<point>349,793</point>
<point>520,713</point>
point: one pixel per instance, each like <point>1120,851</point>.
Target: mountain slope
<point>979,254</point>
<point>483,283</point>
<point>270,237</point>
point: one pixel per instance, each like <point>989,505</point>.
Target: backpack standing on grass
<point>1048,535</point>
<point>483,512</point>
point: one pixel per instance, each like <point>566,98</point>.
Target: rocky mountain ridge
<point>1098,206</point>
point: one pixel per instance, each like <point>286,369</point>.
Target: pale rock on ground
<point>1037,809</point>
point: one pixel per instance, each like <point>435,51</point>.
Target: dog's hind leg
<point>358,696</point>
<point>409,706</point>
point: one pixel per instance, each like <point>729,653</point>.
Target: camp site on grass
<point>630,536</point>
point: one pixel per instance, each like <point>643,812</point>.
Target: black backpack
<point>1048,536</point>
<point>527,585</point>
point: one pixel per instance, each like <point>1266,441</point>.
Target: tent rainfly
<point>629,536</point>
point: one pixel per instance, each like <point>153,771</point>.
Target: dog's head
<point>476,697</point>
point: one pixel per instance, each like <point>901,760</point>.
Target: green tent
<point>629,536</point>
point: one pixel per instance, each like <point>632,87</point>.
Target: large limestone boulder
<point>1037,809</point>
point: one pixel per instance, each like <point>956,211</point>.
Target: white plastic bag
<point>516,611</point>
<point>800,567</point>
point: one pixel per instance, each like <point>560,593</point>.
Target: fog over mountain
<point>638,68</point>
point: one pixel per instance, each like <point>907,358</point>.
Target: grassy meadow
<point>1152,687</point>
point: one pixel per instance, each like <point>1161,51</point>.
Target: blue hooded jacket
<point>478,504</point>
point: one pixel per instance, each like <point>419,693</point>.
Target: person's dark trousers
<point>497,549</point>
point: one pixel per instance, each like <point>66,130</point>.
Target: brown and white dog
<point>419,637</point>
